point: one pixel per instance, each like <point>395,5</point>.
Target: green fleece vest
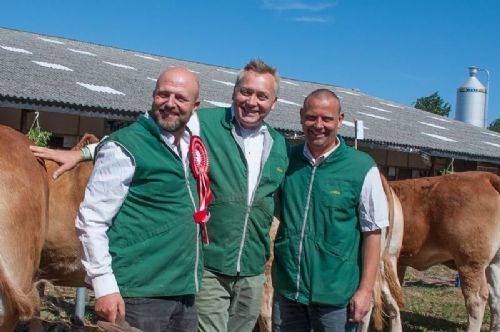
<point>153,241</point>
<point>238,232</point>
<point>317,252</point>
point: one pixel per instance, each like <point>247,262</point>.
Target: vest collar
<point>338,150</point>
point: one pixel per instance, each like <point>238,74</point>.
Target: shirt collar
<point>316,162</point>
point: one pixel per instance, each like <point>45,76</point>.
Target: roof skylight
<point>52,65</point>
<point>81,52</point>
<point>146,57</point>
<point>227,71</point>
<point>378,109</point>
<point>15,49</point>
<point>375,116</point>
<point>439,137</point>
<point>53,41</point>
<point>100,88</point>
<point>432,125</point>
<point>119,65</point>
<point>284,101</point>
<point>224,82</point>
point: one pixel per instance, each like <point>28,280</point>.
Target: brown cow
<point>61,252</point>
<point>455,220</point>
<point>23,222</point>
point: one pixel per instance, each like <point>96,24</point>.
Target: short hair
<point>260,67</point>
<point>322,94</point>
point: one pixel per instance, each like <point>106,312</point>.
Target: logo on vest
<point>335,192</point>
<point>279,169</point>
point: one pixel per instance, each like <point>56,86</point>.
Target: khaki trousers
<point>227,303</point>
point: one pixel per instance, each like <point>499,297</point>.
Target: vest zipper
<point>302,234</point>
<point>247,215</point>
<point>196,282</point>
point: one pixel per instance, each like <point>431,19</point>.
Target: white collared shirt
<point>253,142</point>
<point>372,208</point>
<point>106,191</point>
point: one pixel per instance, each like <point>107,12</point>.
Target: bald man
<point>332,201</point>
<point>140,244</point>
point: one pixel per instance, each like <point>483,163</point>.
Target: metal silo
<point>471,98</point>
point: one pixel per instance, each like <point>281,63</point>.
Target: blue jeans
<point>292,316</point>
<point>162,314</point>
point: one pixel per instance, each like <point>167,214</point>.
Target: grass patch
<point>432,303</point>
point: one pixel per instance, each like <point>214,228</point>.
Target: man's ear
<point>196,105</point>
<point>341,118</point>
<point>301,115</point>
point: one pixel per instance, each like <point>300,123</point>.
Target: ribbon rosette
<point>198,159</point>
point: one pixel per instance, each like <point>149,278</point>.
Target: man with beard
<point>248,160</point>
<point>141,246</point>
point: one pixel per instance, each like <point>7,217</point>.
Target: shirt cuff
<point>105,285</point>
<point>378,225</point>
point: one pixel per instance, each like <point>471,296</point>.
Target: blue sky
<point>396,49</point>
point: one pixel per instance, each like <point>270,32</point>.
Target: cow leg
<point>401,274</point>
<point>392,310</point>
<point>493,278</point>
<point>475,291</point>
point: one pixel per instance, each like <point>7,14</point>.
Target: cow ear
<point>86,140</point>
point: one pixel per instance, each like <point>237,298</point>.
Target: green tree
<point>433,104</point>
<point>495,126</point>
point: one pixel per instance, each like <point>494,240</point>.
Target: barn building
<point>79,87</point>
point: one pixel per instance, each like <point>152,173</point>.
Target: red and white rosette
<point>198,159</point>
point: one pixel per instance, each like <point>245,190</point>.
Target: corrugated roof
<point>87,78</point>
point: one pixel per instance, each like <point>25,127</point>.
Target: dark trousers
<point>162,314</point>
<point>292,316</point>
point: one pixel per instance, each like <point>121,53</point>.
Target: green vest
<point>317,248</point>
<point>153,240</point>
<point>239,234</point>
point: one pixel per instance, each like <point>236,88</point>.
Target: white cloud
<point>310,19</point>
<point>312,6</point>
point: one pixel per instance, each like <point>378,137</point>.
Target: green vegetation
<point>38,136</point>
<point>433,104</point>
<point>495,126</point>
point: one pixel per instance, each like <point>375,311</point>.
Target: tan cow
<point>23,222</point>
<point>455,220</point>
<point>60,263</point>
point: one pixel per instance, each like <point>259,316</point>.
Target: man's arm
<point>373,216</point>
<point>67,159</point>
<point>107,188</point>
<point>361,300</point>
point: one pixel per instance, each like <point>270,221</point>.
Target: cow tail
<point>393,283</point>
<point>377,316</point>
<point>14,299</point>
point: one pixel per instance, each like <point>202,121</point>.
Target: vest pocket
<point>339,197</point>
<point>334,279</point>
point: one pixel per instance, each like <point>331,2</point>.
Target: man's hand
<point>359,305</point>
<point>67,159</point>
<point>110,306</point>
